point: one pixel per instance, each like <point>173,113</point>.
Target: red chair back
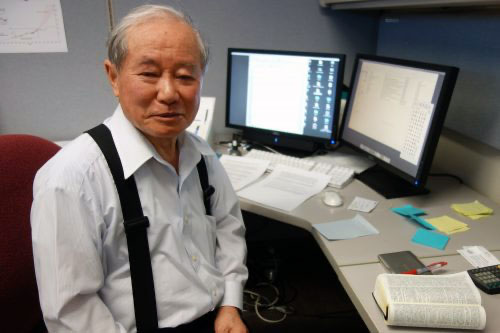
<point>20,158</point>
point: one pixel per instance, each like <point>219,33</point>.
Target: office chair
<point>21,157</point>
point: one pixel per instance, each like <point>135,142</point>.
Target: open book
<point>441,301</point>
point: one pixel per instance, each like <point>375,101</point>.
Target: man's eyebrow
<point>190,66</point>
<point>148,61</point>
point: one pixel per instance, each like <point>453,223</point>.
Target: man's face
<point>159,82</point>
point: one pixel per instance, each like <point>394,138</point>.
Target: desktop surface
<point>355,261</point>
<point>359,281</point>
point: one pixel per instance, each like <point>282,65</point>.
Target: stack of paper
<point>448,225</point>
<point>474,210</point>
<point>285,188</point>
<point>243,170</point>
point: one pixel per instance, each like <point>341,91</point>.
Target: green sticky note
<point>431,239</point>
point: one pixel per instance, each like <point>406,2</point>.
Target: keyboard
<point>340,175</point>
<point>276,159</point>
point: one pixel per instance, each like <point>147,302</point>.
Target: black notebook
<point>400,262</point>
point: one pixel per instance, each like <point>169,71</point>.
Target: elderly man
<point>196,236</point>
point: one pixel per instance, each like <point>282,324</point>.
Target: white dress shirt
<point>79,244</point>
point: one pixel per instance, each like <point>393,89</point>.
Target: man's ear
<point>112,75</point>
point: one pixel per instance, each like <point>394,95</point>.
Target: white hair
<point>117,42</point>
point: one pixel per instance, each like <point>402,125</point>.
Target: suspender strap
<point>208,190</point>
<point>135,224</point>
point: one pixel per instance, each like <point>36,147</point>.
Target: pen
<point>428,268</point>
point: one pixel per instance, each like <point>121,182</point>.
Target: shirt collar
<point>135,150</point>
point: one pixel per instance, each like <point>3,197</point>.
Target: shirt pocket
<point>207,236</point>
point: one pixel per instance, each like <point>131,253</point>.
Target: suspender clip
<point>137,224</point>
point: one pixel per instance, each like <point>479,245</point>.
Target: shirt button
<point>214,293</point>
<point>186,220</point>
<point>194,258</point>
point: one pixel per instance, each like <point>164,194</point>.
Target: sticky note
<point>431,239</point>
<point>408,210</point>
<point>448,225</point>
<point>422,222</point>
<point>474,210</point>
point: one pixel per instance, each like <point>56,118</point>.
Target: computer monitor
<point>284,99</point>
<point>394,114</point>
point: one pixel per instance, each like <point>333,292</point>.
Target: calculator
<point>486,278</point>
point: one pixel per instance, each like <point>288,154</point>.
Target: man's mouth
<point>167,115</point>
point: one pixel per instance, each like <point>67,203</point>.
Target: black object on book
<point>400,262</point>
<point>486,278</point>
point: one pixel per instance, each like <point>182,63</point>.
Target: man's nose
<point>167,90</point>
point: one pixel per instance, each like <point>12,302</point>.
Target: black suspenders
<point>136,224</point>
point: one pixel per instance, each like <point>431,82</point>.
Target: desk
<point>354,279</point>
<point>355,261</point>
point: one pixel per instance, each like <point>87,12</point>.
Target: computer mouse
<point>333,199</point>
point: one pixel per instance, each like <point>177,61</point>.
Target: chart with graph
<point>30,26</point>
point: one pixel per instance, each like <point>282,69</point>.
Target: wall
<point>59,95</point>
<point>468,39</point>
<point>476,163</point>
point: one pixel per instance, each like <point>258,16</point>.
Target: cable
<point>262,302</point>
<point>447,175</point>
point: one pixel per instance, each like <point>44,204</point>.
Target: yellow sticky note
<point>448,225</point>
<point>477,217</point>
<point>458,230</point>
<point>472,208</point>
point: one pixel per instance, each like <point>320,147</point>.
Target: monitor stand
<point>388,184</point>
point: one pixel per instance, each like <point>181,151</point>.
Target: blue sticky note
<point>431,239</point>
<point>423,222</point>
<point>408,210</point>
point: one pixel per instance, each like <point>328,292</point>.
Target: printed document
<point>478,256</point>
<point>286,187</point>
<point>243,170</point>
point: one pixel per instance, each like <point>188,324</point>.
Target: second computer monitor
<point>395,114</point>
<point>284,99</point>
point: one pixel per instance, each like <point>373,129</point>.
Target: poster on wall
<point>31,26</point>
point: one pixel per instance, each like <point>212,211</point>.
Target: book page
<point>445,301</point>
<point>437,315</point>
<point>444,289</point>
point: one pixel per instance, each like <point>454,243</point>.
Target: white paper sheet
<point>478,256</point>
<point>243,170</point>
<point>346,229</point>
<point>362,205</point>
<point>31,26</point>
<point>285,188</point>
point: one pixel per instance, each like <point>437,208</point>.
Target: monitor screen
<point>284,99</point>
<point>395,114</point>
